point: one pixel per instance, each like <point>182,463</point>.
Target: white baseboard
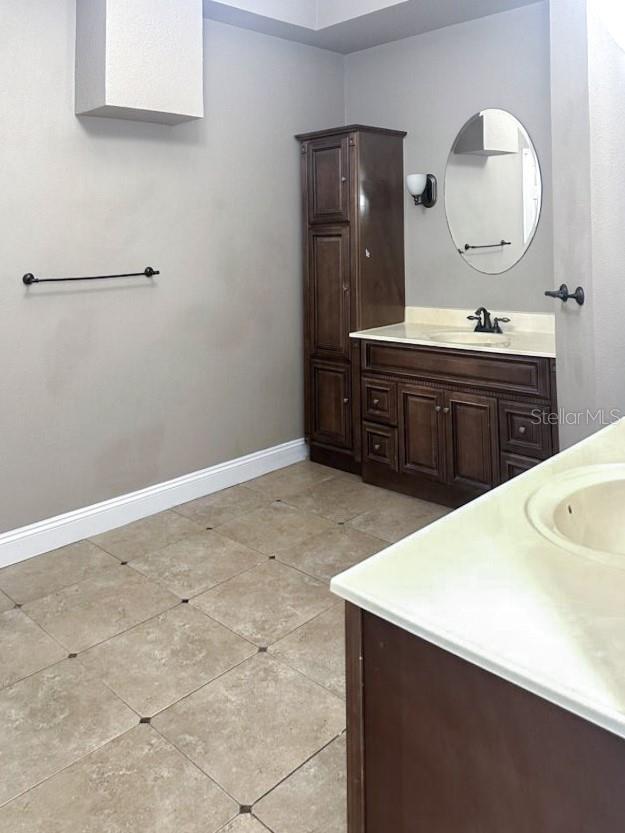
<point>34,539</point>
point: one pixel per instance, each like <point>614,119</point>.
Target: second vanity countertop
<point>485,585</point>
<point>525,335</point>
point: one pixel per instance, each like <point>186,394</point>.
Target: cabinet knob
<point>438,409</point>
<point>377,446</point>
<point>522,429</point>
<point>376,402</point>
<point>446,410</point>
<point>346,401</point>
<point>345,287</point>
<point>343,179</point>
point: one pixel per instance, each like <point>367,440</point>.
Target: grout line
<point>198,767</point>
<point>300,766</point>
<point>195,594</point>
<point>64,768</point>
<point>205,684</point>
<point>96,572</point>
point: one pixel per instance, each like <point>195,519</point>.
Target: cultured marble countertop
<point>525,335</point>
<point>483,584</point>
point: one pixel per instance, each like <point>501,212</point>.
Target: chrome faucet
<point>484,322</point>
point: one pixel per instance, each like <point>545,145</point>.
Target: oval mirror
<point>493,191</point>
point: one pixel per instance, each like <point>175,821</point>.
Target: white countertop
<point>526,334</point>
<point>483,584</point>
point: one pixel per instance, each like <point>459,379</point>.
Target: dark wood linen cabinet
<point>353,206</point>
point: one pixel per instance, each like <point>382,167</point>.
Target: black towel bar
<point>148,272</point>
<point>489,246</point>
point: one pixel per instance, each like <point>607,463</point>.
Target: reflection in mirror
<point>493,191</point>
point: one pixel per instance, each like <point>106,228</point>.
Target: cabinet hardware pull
<point>376,402</point>
<point>522,430</point>
<point>345,287</point>
<point>446,410</point>
<point>377,447</point>
<point>343,179</point>
<point>438,409</point>
<point>346,401</point>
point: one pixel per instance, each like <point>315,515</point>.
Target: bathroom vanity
<point>447,421</point>
<point>485,673</point>
<point>412,398</point>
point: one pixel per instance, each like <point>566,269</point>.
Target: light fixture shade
<point>416,184</point>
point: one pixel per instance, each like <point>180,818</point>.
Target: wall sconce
<point>423,189</point>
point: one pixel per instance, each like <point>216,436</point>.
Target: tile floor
<point>185,672</point>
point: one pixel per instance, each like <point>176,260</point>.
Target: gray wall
<point>430,85</point>
<point>588,79</point>
<point>109,388</point>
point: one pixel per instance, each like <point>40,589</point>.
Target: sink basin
<point>471,338</point>
<point>583,511</point>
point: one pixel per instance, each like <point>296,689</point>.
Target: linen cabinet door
<point>421,435</point>
<point>329,290</point>
<point>331,416</point>
<point>472,443</point>
<point>328,180</point>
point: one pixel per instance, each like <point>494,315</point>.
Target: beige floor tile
<point>328,554</point>
<point>197,563</point>
<point>223,506</point>
<point>138,783</point>
<point>50,720</point>
<point>24,647</point>
<point>48,573</point>
<point>399,516</point>
<point>292,479</point>
<point>339,499</point>
<point>159,662</point>
<point>313,799</point>
<point>317,649</point>
<point>5,602</point>
<point>153,533</point>
<point>274,528</point>
<point>252,727</point>
<point>100,607</point>
<point>266,603</point>
<point>245,823</point>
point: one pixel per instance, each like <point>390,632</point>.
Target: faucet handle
<point>499,321</point>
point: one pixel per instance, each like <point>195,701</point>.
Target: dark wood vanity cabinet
<point>456,423</point>
<point>353,208</point>
<point>436,744</point>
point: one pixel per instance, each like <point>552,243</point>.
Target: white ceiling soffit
<point>351,25</point>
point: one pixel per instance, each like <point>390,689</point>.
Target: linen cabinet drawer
<point>379,445</point>
<point>379,401</point>
<point>524,429</point>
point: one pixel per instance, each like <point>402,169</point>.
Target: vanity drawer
<point>379,401</point>
<point>513,465</point>
<point>379,444</point>
<point>524,429</point>
<point>529,375</point>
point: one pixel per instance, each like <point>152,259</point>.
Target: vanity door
<point>471,432</point>
<point>421,432</point>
